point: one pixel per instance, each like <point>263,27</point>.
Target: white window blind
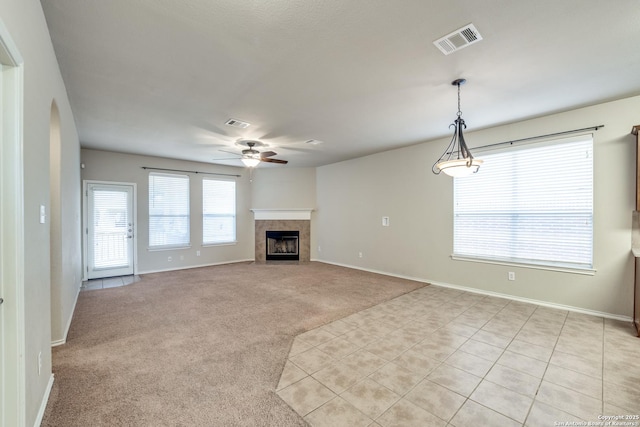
<point>531,204</point>
<point>168,210</point>
<point>218,211</point>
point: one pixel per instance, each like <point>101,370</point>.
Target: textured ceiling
<point>160,77</point>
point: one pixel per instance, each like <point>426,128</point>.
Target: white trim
<point>13,396</point>
<point>63,340</point>
<point>493,294</point>
<point>559,269</point>
<point>282,214</point>
<point>196,266</point>
<point>43,404</point>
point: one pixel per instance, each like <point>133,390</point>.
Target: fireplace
<point>289,222</point>
<point>282,245</point>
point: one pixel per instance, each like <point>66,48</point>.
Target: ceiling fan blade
<point>268,160</point>
<point>268,154</point>
<point>227,158</point>
<point>230,152</point>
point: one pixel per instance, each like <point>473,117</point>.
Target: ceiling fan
<point>252,157</point>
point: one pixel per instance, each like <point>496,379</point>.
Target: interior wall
<point>286,188</point>
<point>354,195</point>
<point>120,167</point>
<point>42,84</point>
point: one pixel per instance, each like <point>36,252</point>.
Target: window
<point>168,211</point>
<point>531,204</point>
<point>218,211</point>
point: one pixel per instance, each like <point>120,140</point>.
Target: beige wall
<point>43,85</point>
<point>353,196</point>
<point>119,167</point>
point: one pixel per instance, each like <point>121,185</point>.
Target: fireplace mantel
<point>282,214</point>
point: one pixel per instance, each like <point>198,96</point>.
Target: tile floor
<point>109,282</point>
<point>443,357</point>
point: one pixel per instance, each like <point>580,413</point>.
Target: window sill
<point>168,248</point>
<point>559,269</point>
<point>209,245</point>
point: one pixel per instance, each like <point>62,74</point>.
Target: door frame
<point>13,335</point>
<point>85,223</point>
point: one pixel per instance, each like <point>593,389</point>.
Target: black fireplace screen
<point>283,245</point>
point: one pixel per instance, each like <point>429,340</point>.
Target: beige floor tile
<point>577,363</point>
<point>415,361</point>
<point>338,377</point>
<point>483,350</point>
<point>385,349</point>
<point>311,360</point>
<point>316,336</point>
<point>298,347</point>
<point>624,397</point>
<point>436,399</point>
<point>523,363</point>
<point>491,338</point>
<point>470,363</point>
<point>306,395</point>
<point>406,414</point>
<point>445,337</point>
<point>338,348</point>
<point>567,400</point>
<point>538,338</point>
<point>502,327</point>
<point>514,380</point>
<point>502,400</point>
<point>370,398</point>
<point>360,338</point>
<point>433,350</point>
<point>580,345</point>
<point>531,350</point>
<point>290,374</point>
<point>396,378</point>
<point>337,413</point>
<point>576,381</point>
<point>473,414</point>
<point>459,329</point>
<point>543,415</point>
<point>454,379</point>
<point>379,329</point>
<point>338,327</point>
<point>363,362</point>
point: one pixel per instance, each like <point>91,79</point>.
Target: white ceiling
<point>160,77</point>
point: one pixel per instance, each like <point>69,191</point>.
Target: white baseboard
<point>493,294</point>
<point>43,404</point>
<point>195,266</point>
<point>63,340</point>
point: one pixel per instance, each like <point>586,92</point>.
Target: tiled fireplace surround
<point>282,220</point>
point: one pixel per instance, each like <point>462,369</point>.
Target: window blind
<point>531,204</point>
<point>218,211</point>
<point>168,210</point>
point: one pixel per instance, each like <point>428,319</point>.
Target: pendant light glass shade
<point>250,161</point>
<point>457,160</point>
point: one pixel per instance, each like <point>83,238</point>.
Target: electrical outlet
<point>359,254</point>
<point>512,275</point>
<point>319,248</point>
<point>181,257</point>
<point>197,253</point>
<point>39,363</point>
<point>169,259</point>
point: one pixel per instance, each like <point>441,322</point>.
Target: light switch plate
<point>385,221</point>
<point>43,214</point>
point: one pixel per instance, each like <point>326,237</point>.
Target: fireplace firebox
<point>283,246</point>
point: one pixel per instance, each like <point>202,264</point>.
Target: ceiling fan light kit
<point>457,160</point>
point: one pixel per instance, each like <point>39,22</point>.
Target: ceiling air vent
<point>237,123</point>
<point>458,39</point>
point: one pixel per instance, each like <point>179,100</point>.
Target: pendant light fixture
<point>457,160</point>
<point>250,160</point>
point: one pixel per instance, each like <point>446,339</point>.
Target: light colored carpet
<point>199,347</point>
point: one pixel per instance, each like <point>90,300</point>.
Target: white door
<point>110,230</point>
